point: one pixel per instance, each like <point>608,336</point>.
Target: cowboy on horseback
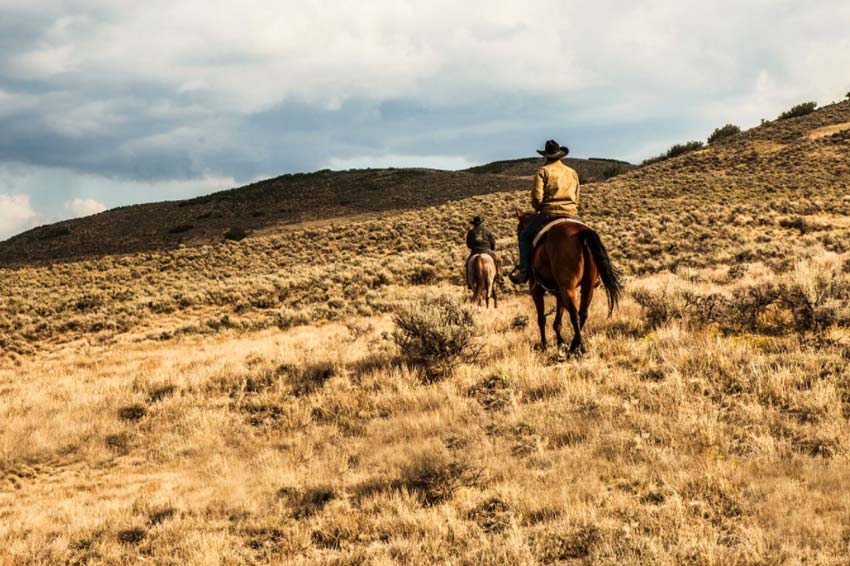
<point>560,254</point>
<point>555,195</point>
<point>480,240</point>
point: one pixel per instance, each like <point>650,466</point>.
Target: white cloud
<point>83,207</point>
<point>436,50</point>
<point>38,195</point>
<point>16,215</point>
<point>43,63</point>
<point>164,90</point>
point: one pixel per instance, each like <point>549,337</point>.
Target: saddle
<point>543,231</point>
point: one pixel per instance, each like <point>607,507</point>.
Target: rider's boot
<point>518,276</point>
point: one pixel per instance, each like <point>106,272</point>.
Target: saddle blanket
<point>551,225</point>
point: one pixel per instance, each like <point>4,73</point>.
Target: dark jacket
<point>480,240</point>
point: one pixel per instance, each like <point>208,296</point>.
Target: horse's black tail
<point>610,275</point>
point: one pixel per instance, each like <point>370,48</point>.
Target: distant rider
<point>555,195</point>
<point>480,240</point>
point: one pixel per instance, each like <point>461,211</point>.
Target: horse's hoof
<point>563,354</point>
<point>577,351</point>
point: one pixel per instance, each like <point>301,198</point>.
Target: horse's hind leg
<point>589,280</point>
<point>493,287</point>
<point>559,317</point>
<point>538,294</point>
<point>568,297</point>
<point>586,298</point>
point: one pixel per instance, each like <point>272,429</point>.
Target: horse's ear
<point>517,212</point>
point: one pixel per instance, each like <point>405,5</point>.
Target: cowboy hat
<point>554,150</point>
<point>476,220</point>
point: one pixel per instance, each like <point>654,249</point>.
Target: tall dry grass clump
<point>436,335</point>
<point>813,298</point>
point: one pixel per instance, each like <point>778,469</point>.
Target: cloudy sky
<point>106,103</point>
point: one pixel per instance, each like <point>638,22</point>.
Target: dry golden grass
<point>825,131</point>
<point>246,403</point>
<point>319,445</point>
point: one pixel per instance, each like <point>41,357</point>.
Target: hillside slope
<point>247,402</point>
<point>752,198</point>
<point>277,203</point>
<point>592,170</point>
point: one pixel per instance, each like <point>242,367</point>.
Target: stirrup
<point>518,277</point>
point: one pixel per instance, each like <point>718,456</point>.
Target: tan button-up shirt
<point>556,189</point>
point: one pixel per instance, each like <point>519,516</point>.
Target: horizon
<point>93,116</point>
<point>250,182</point>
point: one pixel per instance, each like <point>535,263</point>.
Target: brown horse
<point>481,273</point>
<point>571,256</point>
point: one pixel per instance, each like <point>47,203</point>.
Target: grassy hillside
<point>246,402</point>
<point>272,205</point>
<point>591,170</point>
<point>774,195</point>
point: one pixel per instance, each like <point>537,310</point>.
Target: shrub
<point>132,413</point>
<point>493,392</point>
<point>160,515</point>
<point>131,536</point>
<point>683,148</point>
<point>161,392</point>
<point>308,502</point>
<point>748,306</point>
<point>819,304</point>
<point>675,151</point>
<point>577,543</point>
<point>53,232</point>
<point>798,223</point>
<point>656,159</point>
<point>520,321</point>
<point>493,515</point>
<point>236,234</point>
<point>613,170</point>
<point>726,131</point>
<point>381,279</point>
<point>180,229</point>
<point>436,335</point>
<point>801,109</point>
<point>287,318</point>
<point>659,307</point>
<point>848,96</point>
<point>424,275</point>
<point>812,304</point>
<point>313,377</point>
<point>434,476</point>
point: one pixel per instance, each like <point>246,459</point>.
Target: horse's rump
<point>562,241</point>
<point>474,269</point>
<point>481,276</point>
<point>574,245</point>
